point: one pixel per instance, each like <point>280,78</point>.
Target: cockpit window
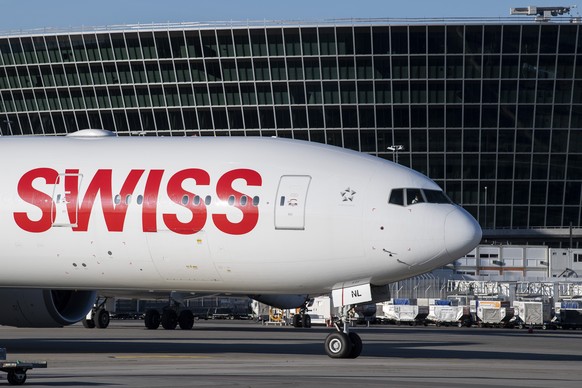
<point>414,196</point>
<point>397,197</point>
<point>436,196</point>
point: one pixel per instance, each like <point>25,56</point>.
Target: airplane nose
<point>462,233</point>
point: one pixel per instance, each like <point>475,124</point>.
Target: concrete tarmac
<point>247,354</point>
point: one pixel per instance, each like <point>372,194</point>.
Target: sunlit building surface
<point>491,110</point>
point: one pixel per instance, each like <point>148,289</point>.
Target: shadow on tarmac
<point>282,344</point>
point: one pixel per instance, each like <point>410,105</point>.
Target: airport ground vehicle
<point>16,370</point>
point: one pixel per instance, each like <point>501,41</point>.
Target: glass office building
<point>492,111</point>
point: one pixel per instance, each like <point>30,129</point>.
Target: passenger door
<point>64,200</point>
<point>291,200</point>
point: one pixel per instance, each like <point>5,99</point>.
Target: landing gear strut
<point>98,316</point>
<point>342,343</point>
<point>302,319</point>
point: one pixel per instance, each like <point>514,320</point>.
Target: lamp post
<point>8,127</point>
<point>485,207</point>
<point>395,148</point>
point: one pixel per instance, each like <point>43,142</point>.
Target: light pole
<point>485,207</point>
<point>395,148</point>
<point>8,126</point>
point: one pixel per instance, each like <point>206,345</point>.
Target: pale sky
<point>35,14</point>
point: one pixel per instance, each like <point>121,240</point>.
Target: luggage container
<point>532,314</point>
<point>404,311</point>
<point>446,315</point>
<point>493,313</point>
<point>570,315</point>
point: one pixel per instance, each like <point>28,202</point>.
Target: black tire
<point>356,345</point>
<point>152,319</point>
<point>306,321</point>
<point>186,320</point>
<point>338,345</point>
<point>169,319</point>
<point>16,377</point>
<point>101,319</point>
<point>88,323</point>
<point>297,320</point>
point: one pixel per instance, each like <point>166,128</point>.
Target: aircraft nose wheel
<point>342,345</point>
<point>356,345</point>
<point>338,345</point>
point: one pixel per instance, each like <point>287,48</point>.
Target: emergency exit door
<point>291,200</point>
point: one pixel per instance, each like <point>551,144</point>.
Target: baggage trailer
<point>404,311</point>
<point>570,318</point>
<point>17,369</point>
<point>532,314</point>
<point>570,315</point>
<point>444,313</point>
<point>493,313</point>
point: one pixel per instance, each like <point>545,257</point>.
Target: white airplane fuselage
<point>240,215</point>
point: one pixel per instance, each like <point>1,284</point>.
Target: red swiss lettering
<point>37,198</point>
<point>176,193</point>
<point>114,214</point>
<point>250,214</point>
<point>115,208</point>
<point>150,201</point>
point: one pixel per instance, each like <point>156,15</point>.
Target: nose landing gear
<point>343,343</point>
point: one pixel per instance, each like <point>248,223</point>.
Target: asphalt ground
<point>248,354</point>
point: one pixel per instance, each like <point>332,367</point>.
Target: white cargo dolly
<point>17,369</point>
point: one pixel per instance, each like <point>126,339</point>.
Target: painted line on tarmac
<point>160,356</point>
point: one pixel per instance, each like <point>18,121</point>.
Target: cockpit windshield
<point>436,196</point>
<point>412,196</point>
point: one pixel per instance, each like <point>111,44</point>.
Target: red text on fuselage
<point>80,209</point>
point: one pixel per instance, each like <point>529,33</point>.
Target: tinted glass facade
<point>492,113</point>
